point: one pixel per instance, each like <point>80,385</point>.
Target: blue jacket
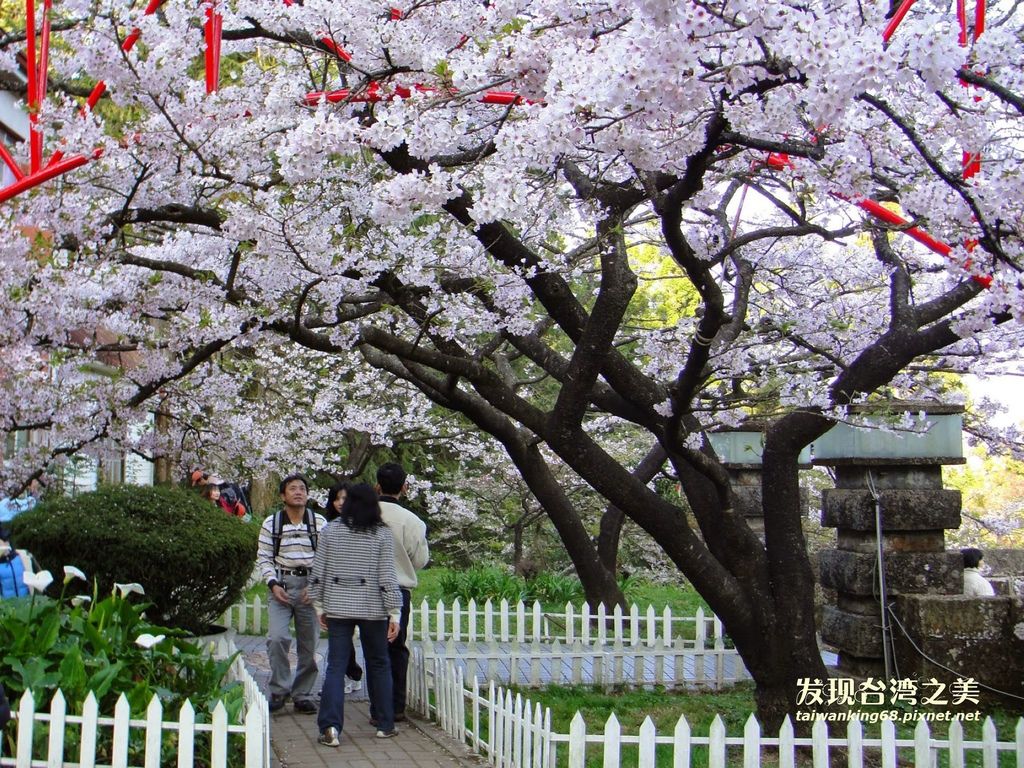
<point>12,576</point>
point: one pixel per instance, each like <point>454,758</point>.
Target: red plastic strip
<point>34,180</point>
<point>896,19</point>
<point>212,30</point>
<point>336,49</point>
<point>11,163</point>
<point>936,246</point>
<point>35,138</point>
<point>373,94</point>
<point>44,54</point>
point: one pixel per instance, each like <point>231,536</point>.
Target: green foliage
<point>551,589</point>
<point>680,597</point>
<point>664,295</point>
<point>49,644</point>
<point>555,588</point>
<point>192,560</point>
<point>992,487</point>
<point>482,583</point>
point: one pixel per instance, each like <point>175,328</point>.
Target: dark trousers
<point>398,652</point>
<point>374,637</point>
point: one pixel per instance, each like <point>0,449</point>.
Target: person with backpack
<point>223,501</point>
<point>287,546</point>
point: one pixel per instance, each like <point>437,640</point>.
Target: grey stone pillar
<point>740,450</point>
<point>905,473</point>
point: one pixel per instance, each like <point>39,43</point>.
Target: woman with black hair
<point>353,583</point>
<point>332,511</point>
<point>335,499</point>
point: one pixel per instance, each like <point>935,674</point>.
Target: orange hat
<point>198,476</point>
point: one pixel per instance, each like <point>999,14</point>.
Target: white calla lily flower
<point>38,582</point>
<point>78,600</point>
<point>146,640</point>
<point>127,589</point>
<point>71,572</point>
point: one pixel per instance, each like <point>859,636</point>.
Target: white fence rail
<point>522,623</point>
<point>536,664</point>
<point>87,728</point>
<point>519,735</point>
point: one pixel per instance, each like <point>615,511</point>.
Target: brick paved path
<point>419,743</point>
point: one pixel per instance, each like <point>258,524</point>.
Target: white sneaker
<point>351,686</point>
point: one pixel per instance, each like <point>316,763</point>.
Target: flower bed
<point>117,674</point>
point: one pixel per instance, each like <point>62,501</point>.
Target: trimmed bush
<point>191,558</point>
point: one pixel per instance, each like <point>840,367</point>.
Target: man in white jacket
<point>411,554</point>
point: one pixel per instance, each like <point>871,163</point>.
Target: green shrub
<point>481,583</point>
<point>554,588</point>
<point>192,560</point>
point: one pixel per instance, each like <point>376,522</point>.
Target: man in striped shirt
<point>287,545</point>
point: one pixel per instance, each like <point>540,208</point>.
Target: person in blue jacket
<point>14,564</point>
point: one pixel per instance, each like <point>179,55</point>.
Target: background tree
<point>484,261</point>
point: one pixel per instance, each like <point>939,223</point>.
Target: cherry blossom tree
<point>352,209</point>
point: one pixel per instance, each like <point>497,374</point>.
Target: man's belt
<point>293,571</point>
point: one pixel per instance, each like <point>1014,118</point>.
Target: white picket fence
<point>536,664</point>
<point>255,731</point>
<point>522,623</point>
<point>519,735</point>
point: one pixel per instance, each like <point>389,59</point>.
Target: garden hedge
<point>191,558</point>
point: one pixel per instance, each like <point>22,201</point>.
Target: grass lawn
<point>681,598</point>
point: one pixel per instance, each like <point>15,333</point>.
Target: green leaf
<point>73,677</point>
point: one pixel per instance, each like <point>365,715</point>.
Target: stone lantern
<point>888,503</point>
<point>740,451</point>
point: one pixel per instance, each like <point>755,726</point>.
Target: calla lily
<point>147,640</point>
<point>80,600</point>
<point>38,582</point>
<point>127,589</point>
<point>70,572</point>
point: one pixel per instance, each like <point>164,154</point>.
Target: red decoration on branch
<point>37,63</point>
<point>213,34</point>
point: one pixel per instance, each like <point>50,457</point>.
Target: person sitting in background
<point>212,492</point>
<point>231,497</point>
<point>975,585</point>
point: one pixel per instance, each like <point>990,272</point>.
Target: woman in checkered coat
<point>353,584</point>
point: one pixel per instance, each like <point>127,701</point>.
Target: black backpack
<point>276,528</point>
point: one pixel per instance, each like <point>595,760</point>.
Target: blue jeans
<point>374,636</point>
